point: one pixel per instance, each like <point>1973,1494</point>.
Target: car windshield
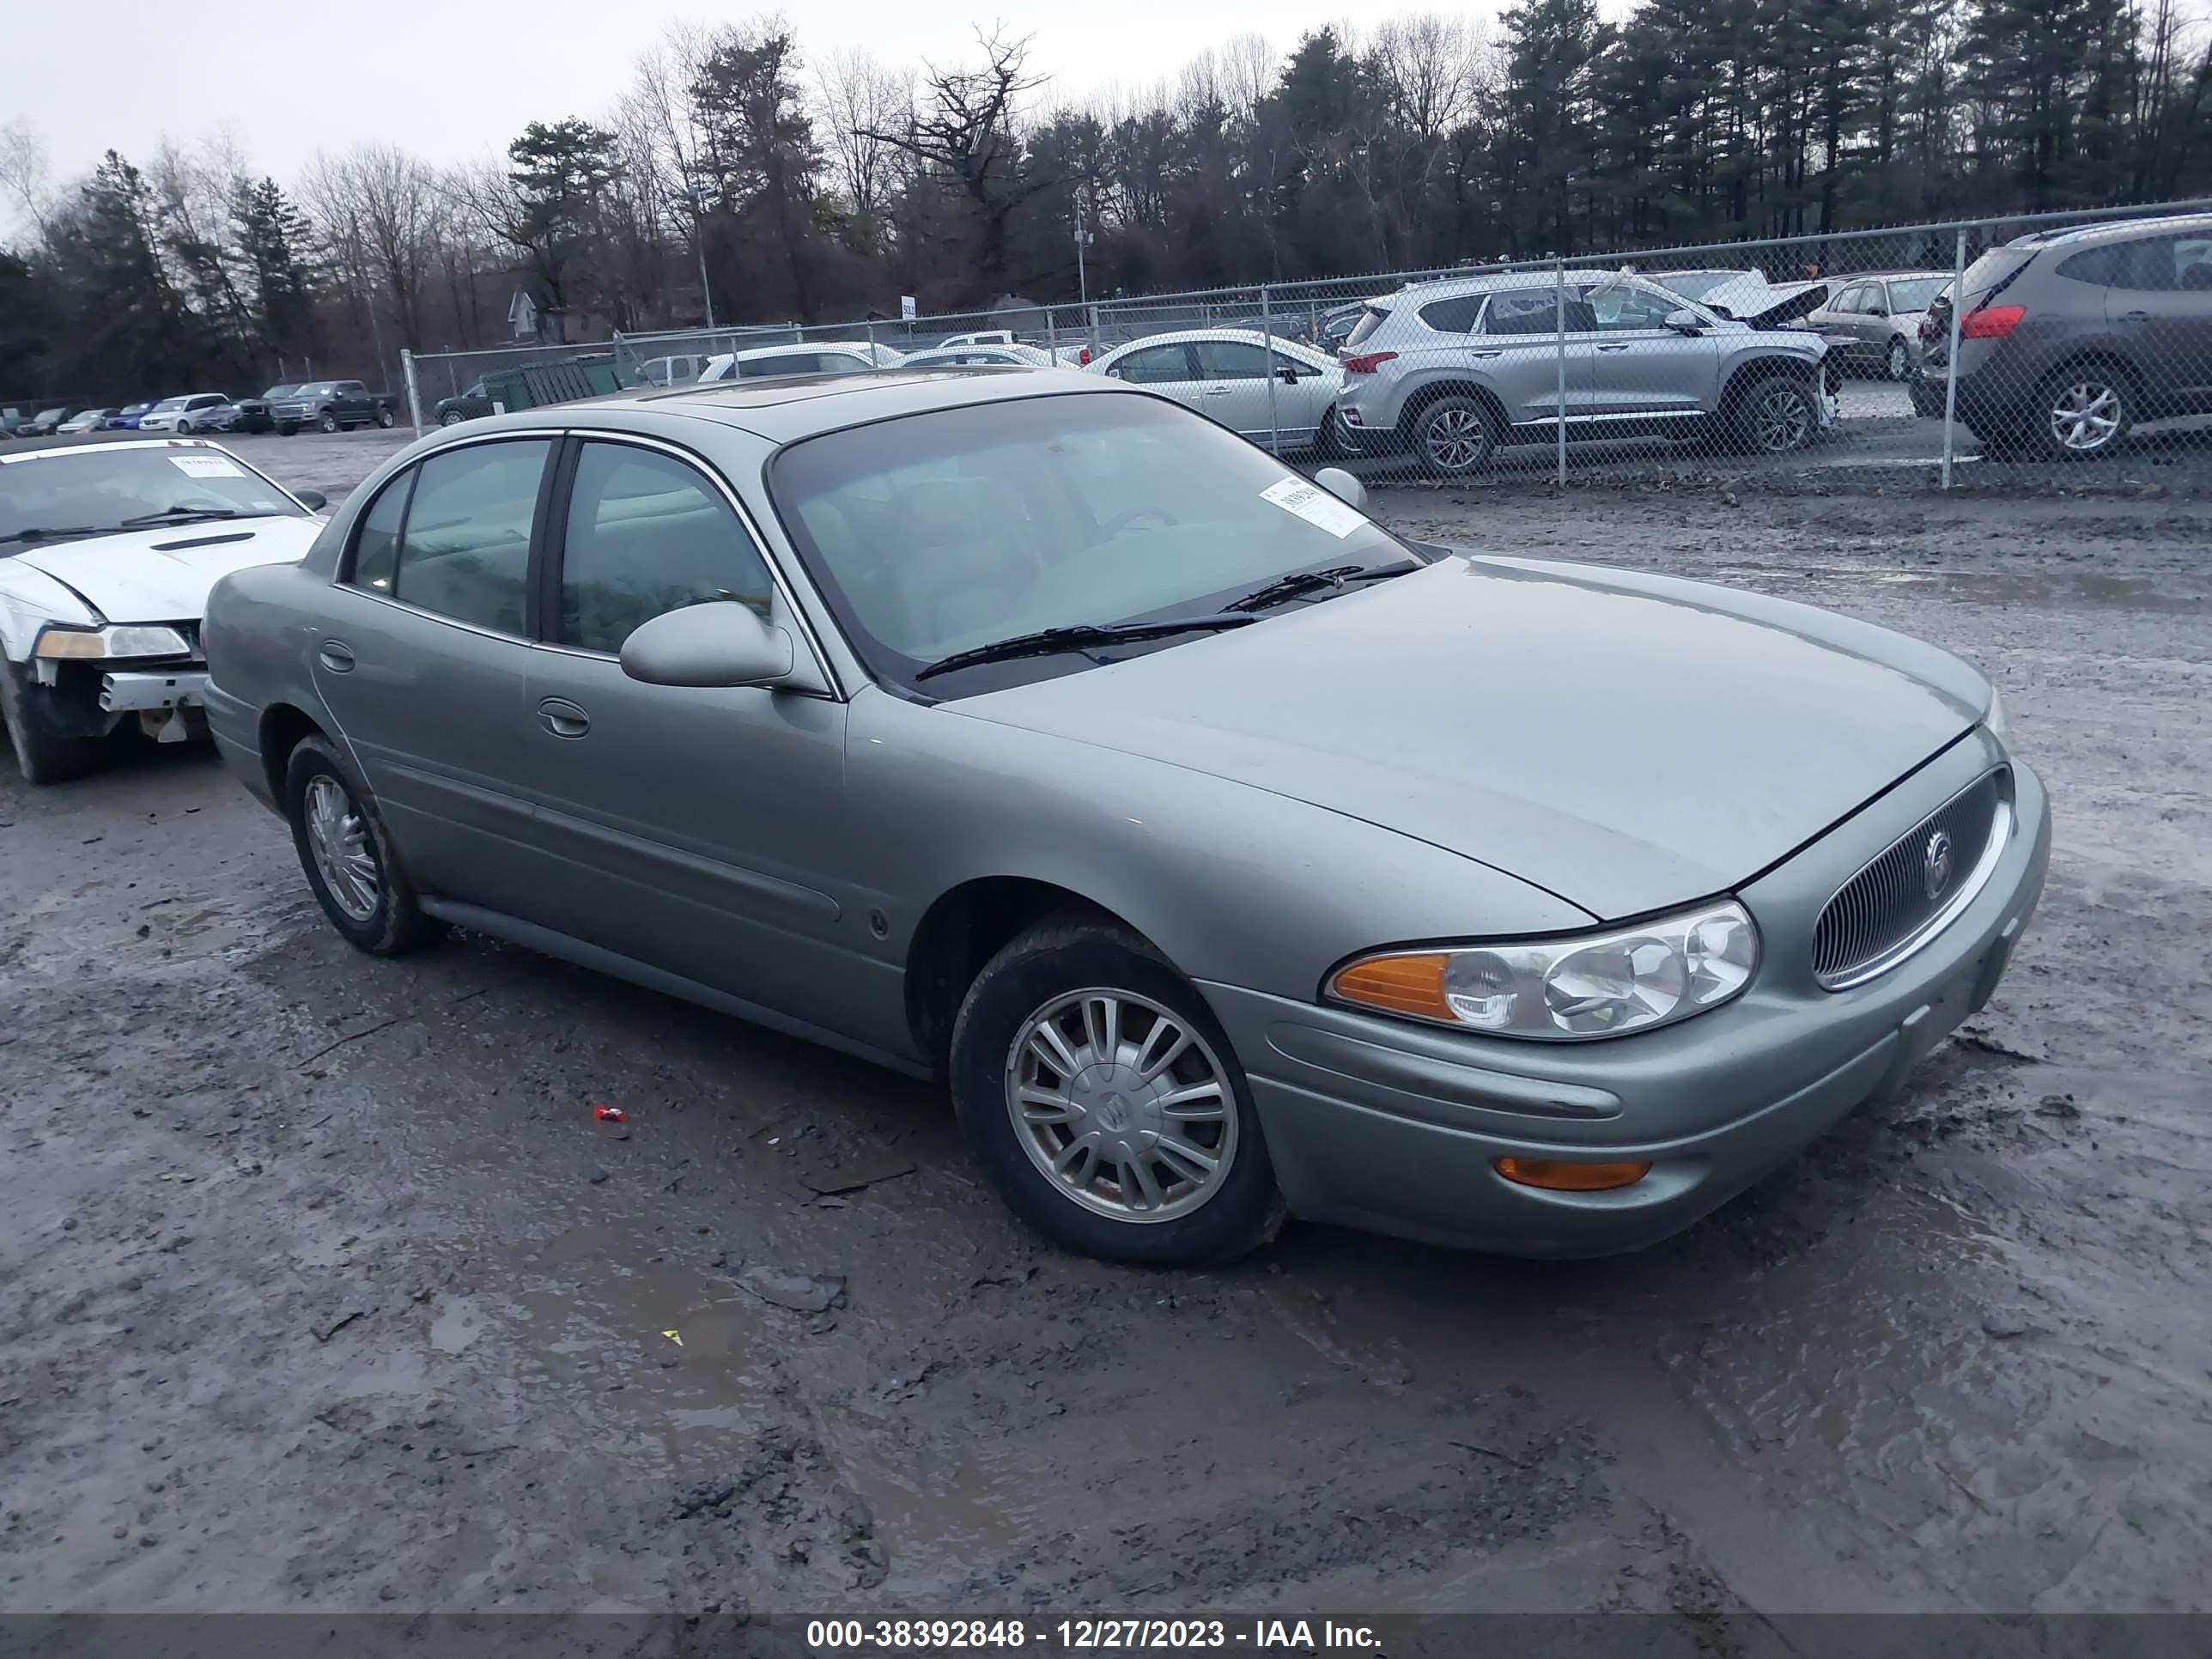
<point>940,532</point>
<point>320,388</point>
<point>95,490</point>
<point>173,403</point>
<point>1916,294</point>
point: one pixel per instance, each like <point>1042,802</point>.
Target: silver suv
<point>1448,371</point>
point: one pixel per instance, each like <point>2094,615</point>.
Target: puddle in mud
<point>940,1512</point>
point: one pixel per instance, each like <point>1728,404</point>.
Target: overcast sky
<point>454,80</point>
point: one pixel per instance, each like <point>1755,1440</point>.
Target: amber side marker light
<point>1559,1175</point>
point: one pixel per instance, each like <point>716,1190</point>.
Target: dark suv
<point>2068,339</point>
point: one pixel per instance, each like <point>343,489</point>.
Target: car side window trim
<point>547,590</point>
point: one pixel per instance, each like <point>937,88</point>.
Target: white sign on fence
<point>906,312</point>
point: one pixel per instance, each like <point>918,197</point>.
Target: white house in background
<point>522,315</point>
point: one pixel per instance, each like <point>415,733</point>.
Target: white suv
<point>1448,371</point>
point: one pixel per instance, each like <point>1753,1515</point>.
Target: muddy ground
<point>321,1288</point>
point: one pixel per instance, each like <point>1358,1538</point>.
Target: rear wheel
<point>1103,1101</point>
<point>1453,437</point>
<point>348,854</point>
<point>40,756</point>
<point>383,417</point>
<point>452,417</point>
<point>2081,413</point>
<point>286,428</point>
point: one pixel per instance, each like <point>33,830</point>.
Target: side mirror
<point>1342,485</point>
<point>314,500</point>
<point>720,643</point>
<point>1685,322</point>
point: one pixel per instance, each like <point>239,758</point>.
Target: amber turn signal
<point>1398,985</point>
<point>1560,1176</point>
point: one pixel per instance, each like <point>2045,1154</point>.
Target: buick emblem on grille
<point>1936,864</point>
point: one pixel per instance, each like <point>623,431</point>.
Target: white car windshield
<point>173,403</point>
<point>937,533</point>
<point>103,488</point>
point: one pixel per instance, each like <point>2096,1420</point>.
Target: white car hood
<point>164,574</point>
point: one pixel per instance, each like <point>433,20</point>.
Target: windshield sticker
<point>1314,505</point>
<point>206,467</point>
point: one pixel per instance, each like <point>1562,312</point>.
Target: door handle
<point>337,657</point>
<point>1215,392</point>
<point>1623,346</point>
<point>563,719</point>
<point>2135,316</point>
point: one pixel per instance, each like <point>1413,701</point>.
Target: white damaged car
<point>107,551</point>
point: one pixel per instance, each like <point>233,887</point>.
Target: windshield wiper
<point>42,533</point>
<point>1310,581</point>
<point>1050,642</point>
<point>181,515</point>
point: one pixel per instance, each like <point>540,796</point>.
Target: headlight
<point>1598,984</point>
<point>122,642</point>
<point>1999,727</point>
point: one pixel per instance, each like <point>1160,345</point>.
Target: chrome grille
<point>1896,905</point>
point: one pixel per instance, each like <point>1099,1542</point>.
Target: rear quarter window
<point>2099,266</point>
<point>1453,316</point>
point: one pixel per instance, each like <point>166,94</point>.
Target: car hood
<point>1752,299</point>
<point>1625,742</point>
<point>164,575</point>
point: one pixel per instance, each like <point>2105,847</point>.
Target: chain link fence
<point>2082,337</point>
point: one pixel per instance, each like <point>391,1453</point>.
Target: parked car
<point>973,357</point>
<point>1873,321</point>
<point>469,404</point>
<point>332,406</point>
<point>13,418</point>
<point>185,415</point>
<point>2066,339</point>
<point>981,337</point>
<point>258,413</point>
<point>130,415</point>
<point>47,421</point>
<point>1225,374</point>
<point>1448,371</point>
<point>824,357</point>
<point>90,420</point>
<point>1198,893</point>
<point>680,369</point>
<point>106,554</point>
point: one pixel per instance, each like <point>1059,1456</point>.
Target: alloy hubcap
<point>2086,416</point>
<point>1782,422</point>
<point>1457,438</point>
<point>1899,365</point>
<point>1124,1107</point>
<point>339,842</point>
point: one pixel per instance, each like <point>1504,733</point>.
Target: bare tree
<point>24,174</point>
<point>858,99</point>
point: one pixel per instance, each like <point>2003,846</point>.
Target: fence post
<point>872,363</point>
<point>1051,337</point>
<point>1951,368</point>
<point>413,392</point>
<point>1559,409</point>
<point>1267,353</point>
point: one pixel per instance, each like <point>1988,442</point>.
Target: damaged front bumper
<point>169,702</point>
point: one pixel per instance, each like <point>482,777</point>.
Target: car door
<point>1636,366</point>
<point>1518,348</point>
<point>1845,316</point>
<point>1171,369</point>
<point>423,657</point>
<point>692,826</point>
<point>1233,381</point>
<point>2159,307</point>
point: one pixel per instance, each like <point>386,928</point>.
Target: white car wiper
<point>1050,642</point>
<point>1312,581</point>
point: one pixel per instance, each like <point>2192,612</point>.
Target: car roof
<point>751,352</point>
<point>783,408</point>
<point>1235,336</point>
<point>2115,230</point>
<point>24,449</point>
<point>1452,288</point>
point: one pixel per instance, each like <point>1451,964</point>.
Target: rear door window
<point>1536,310</point>
<point>1164,364</point>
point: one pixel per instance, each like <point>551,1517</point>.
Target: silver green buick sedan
<point>1231,857</point>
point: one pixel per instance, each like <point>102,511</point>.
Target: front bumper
<point>139,690</point>
<point>1395,1128</point>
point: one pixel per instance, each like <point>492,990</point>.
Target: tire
<point>330,809</point>
<point>285,430</point>
<point>1064,972</point>
<point>184,428</point>
<point>1897,361</point>
<point>385,417</point>
<point>329,422</point>
<point>1453,437</point>
<point>40,756</point>
<point>452,417</point>
<point>2081,413</point>
<point>1775,416</point>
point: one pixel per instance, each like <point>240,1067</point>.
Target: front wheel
<point>40,756</point>
<point>348,855</point>
<point>285,429</point>
<point>328,423</point>
<point>1898,363</point>
<point>452,417</point>
<point>1776,416</point>
<point>1104,1103</point>
<point>1453,437</point>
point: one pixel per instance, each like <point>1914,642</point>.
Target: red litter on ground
<point>609,1115</point>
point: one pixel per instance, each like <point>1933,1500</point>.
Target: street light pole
<point>699,236</point>
<point>1082,279</point>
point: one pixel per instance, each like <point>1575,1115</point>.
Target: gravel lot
<point>321,1289</point>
